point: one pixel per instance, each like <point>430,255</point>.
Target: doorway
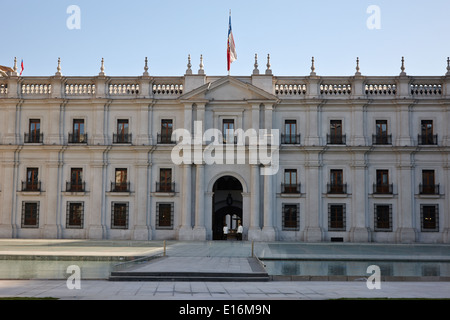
<point>227,206</point>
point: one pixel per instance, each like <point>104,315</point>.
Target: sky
<point>291,31</point>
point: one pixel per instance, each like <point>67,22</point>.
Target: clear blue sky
<point>125,32</point>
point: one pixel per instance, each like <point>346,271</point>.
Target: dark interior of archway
<point>225,186</point>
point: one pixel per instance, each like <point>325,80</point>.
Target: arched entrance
<point>227,205</point>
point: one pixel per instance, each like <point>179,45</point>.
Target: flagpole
<point>229,17</point>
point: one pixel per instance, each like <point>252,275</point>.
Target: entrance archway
<point>227,205</point>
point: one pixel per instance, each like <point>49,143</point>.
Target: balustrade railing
<point>335,89</point>
<point>284,87</point>
<point>426,89</point>
<point>290,89</point>
<point>123,89</point>
<point>3,88</point>
<point>380,89</point>
<point>36,89</point>
<point>79,89</point>
<point>167,89</point>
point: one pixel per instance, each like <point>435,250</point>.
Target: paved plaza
<point>221,257</point>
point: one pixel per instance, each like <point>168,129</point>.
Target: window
<point>291,213</point>
<point>290,181</point>
<point>76,183</point>
<point>78,135</point>
<point>336,136</point>
<point>336,217</point>
<point>336,184</point>
<point>381,134</point>
<point>75,215</point>
<point>290,132</point>
<point>383,217</point>
<point>122,135</point>
<point>426,137</point>
<point>428,185</point>
<point>32,182</point>
<point>164,215</point>
<point>34,132</point>
<point>121,183</point>
<point>228,131</point>
<point>119,215</point>
<point>382,185</point>
<point>165,181</point>
<point>30,214</point>
<point>166,131</point>
<point>429,217</point>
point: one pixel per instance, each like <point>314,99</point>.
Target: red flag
<point>21,65</point>
<point>231,49</point>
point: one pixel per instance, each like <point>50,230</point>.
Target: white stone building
<point>361,159</point>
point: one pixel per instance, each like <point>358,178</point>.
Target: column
<point>141,229</point>
<point>51,185</point>
<point>144,126</point>
<point>199,228</point>
<point>209,196</point>
<point>403,125</point>
<point>445,211</point>
<point>406,232</point>
<point>357,126</point>
<point>185,232</point>
<point>94,216</point>
<point>254,231</point>
<point>312,125</point>
<point>313,231</point>
<point>359,232</point>
<point>7,196</point>
<point>268,231</point>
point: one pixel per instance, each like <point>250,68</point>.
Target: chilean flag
<point>21,66</point>
<point>231,49</point>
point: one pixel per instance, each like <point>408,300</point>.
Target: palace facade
<point>359,158</point>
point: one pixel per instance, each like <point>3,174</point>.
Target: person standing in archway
<point>225,232</point>
<point>240,229</point>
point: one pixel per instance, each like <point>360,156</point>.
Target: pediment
<point>228,89</point>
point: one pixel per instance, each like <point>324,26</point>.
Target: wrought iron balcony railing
<point>288,188</point>
<point>78,137</point>
<point>75,186</point>
<point>120,187</point>
<point>337,188</point>
<point>382,139</point>
<point>336,139</point>
<point>33,137</point>
<point>290,138</point>
<point>383,188</point>
<point>431,189</point>
<point>165,187</point>
<point>31,186</point>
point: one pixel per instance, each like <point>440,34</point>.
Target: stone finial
<point>14,72</point>
<point>256,71</point>
<point>403,73</point>
<point>58,68</point>
<point>201,70</point>
<point>268,70</point>
<point>358,73</point>
<point>448,67</point>
<point>189,65</point>
<point>146,74</point>
<point>102,68</point>
<point>313,67</point>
